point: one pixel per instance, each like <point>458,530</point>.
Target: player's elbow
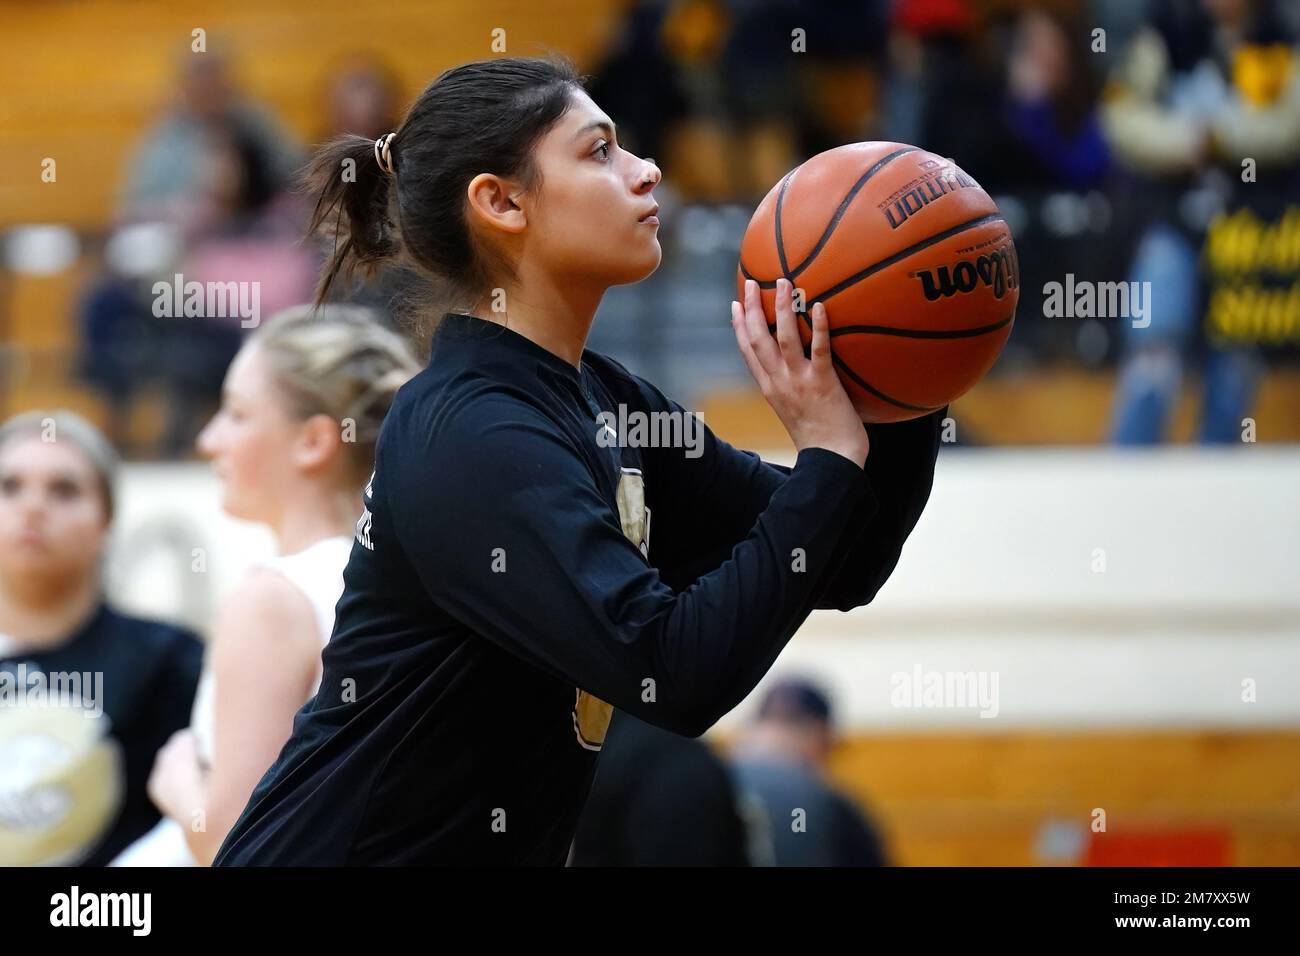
<point>683,728</point>
<point>702,713</point>
<point>685,722</point>
<point>858,590</point>
<point>846,599</point>
<point>696,725</point>
<point>683,714</point>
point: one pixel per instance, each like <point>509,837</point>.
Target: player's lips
<point>651,217</point>
<point>29,538</point>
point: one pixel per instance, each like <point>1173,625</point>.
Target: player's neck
<point>40,612</point>
<point>554,312</point>
<point>314,515</point>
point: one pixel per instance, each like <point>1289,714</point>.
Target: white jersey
<point>316,571</point>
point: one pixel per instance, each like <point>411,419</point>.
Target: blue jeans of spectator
<point>1153,357</point>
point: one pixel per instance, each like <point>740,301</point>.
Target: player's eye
<point>605,147</point>
<point>65,490</point>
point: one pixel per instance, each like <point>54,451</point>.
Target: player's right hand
<point>805,392</point>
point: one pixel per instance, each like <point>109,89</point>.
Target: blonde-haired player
<point>292,446</point>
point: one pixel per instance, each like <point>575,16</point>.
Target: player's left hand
<point>176,784</point>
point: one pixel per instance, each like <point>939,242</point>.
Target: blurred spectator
<point>1049,171</point>
<point>363,97</point>
<point>1204,87</point>
<point>644,112</point>
<point>780,760</point>
<point>164,174</point>
<point>945,75</point>
<point>244,230</point>
<point>213,175</point>
<point>73,768</point>
<point>659,799</point>
<point>1051,106</point>
<point>796,78</point>
<point>113,351</point>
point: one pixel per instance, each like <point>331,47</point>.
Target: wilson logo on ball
<point>997,269</point>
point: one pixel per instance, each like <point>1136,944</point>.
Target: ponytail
<point>354,208</point>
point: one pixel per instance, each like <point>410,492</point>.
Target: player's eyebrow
<point>605,125</point>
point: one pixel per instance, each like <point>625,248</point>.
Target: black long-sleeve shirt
<point>516,574</point>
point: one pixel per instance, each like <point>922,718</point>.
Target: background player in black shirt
<point>74,769</point>
<point>521,568</point>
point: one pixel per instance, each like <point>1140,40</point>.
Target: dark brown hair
<point>482,117</point>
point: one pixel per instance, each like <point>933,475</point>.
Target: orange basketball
<point>915,266</point>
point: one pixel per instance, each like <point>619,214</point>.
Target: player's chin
<point>36,562</point>
<point>642,261</point>
<point>236,505</point>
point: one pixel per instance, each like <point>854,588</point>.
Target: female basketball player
<point>518,571</point>
<point>73,778</point>
<point>292,445</point>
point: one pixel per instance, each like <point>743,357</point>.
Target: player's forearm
<point>723,633</point>
<point>900,472</point>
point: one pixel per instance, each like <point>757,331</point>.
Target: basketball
<point>916,268</point>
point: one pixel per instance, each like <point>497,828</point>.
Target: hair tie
<point>382,155</point>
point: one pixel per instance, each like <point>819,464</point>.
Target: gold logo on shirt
<point>632,512</point>
<point>591,715</point>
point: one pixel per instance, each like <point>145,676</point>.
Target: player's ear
<point>319,441</point>
<point>492,201</point>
